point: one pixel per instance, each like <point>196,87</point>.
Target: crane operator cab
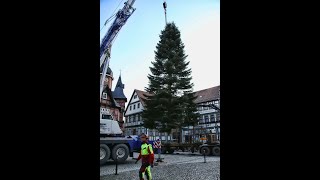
<point>108,126</point>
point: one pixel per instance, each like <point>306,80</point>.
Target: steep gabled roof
<point>118,90</point>
<point>209,94</point>
<point>142,97</point>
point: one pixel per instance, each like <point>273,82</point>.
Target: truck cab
<point>211,146</point>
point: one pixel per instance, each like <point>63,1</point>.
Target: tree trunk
<point>179,135</point>
<point>193,136</point>
<point>189,135</point>
<point>166,135</point>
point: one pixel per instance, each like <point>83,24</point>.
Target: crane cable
<point>112,16</point>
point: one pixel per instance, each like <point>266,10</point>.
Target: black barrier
<point>204,156</point>
<point>116,165</point>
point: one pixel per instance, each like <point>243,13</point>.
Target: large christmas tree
<point>171,105</point>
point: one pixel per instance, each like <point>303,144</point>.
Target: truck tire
<point>122,151</point>
<point>216,151</point>
<point>104,153</point>
<point>206,150</point>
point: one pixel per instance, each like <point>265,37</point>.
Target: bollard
<point>204,156</point>
<point>116,165</point>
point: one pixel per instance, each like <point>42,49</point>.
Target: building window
<point>138,117</point>
<point>218,116</point>
<point>104,95</point>
<point>106,116</point>
<point>205,108</point>
<point>210,103</point>
<point>201,119</point>
<point>135,96</point>
<point>130,108</point>
<point>134,118</point>
<point>138,105</point>
<point>212,118</point>
<point>206,118</point>
<point>216,103</point>
<point>134,106</point>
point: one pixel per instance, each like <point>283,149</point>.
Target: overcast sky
<point>133,48</point>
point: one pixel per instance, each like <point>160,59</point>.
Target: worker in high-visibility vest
<point>147,156</point>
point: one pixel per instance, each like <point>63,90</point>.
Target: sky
<point>133,49</point>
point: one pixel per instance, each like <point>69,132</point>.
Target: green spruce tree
<point>171,104</point>
<point>190,115</point>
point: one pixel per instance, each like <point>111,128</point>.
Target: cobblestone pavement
<point>178,167</point>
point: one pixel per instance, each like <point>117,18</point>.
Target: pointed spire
<point>119,83</point>
<point>118,90</point>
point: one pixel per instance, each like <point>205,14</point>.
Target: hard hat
<point>144,136</point>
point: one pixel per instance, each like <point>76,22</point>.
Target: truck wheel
<point>216,151</point>
<point>122,151</point>
<point>206,151</point>
<point>104,153</point>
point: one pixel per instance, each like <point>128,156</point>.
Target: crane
<point>112,143</point>
<point>105,47</point>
